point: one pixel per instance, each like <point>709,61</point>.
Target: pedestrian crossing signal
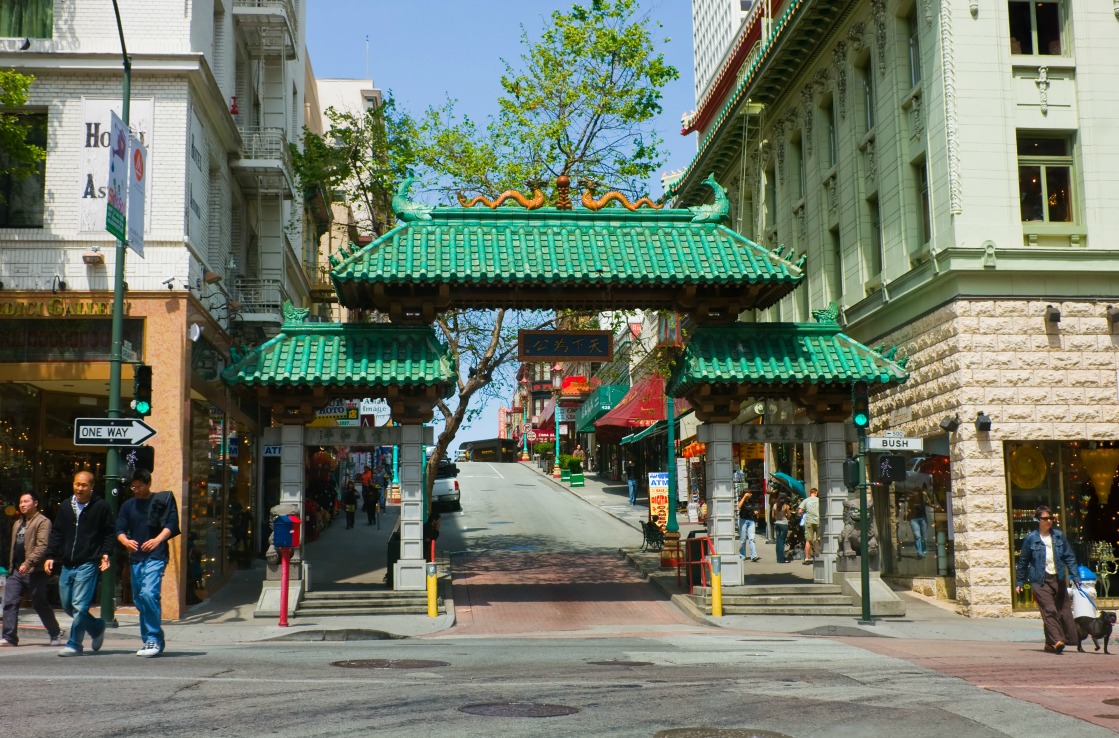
<point>891,468</point>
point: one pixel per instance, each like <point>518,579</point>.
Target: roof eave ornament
<point>406,210</point>
<point>828,315</point>
<point>294,315</point>
<point>717,212</point>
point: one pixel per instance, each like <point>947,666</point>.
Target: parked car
<point>445,491</point>
<point>462,455</point>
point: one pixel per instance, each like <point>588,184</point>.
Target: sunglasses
<point>1047,517</point>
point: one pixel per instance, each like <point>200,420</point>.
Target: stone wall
<point>1036,380</point>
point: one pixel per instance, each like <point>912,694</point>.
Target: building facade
<point>945,168</point>
<point>217,95</point>
<point>714,26</point>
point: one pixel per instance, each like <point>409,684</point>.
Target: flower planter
<point>565,475</point>
<point>577,480</point>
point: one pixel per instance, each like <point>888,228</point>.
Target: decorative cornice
<point>807,98</point>
<point>878,13</point>
<point>856,35</point>
<point>1042,83</point>
<point>840,63</point>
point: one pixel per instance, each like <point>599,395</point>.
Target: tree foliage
<point>18,158</point>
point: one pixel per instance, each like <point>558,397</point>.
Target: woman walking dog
<point>1047,563</point>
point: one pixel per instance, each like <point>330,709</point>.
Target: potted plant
<point>575,466</point>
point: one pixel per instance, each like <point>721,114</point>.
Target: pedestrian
<point>780,517</point>
<point>579,454</point>
<point>144,525</point>
<point>915,514</point>
<point>810,506</point>
<point>26,574</point>
<point>81,540</point>
<point>349,503</point>
<point>747,525</point>
<point>631,480</point>
<point>1046,563</point>
<point>369,499</point>
<point>386,483</point>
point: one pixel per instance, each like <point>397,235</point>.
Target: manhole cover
<point>718,733</point>
<point>518,709</point>
<point>620,663</point>
<point>389,664</point>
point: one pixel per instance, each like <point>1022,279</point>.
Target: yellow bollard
<point>716,587</point>
<point>432,591</point>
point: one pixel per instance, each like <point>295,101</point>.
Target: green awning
<point>601,401</point>
<point>658,427</point>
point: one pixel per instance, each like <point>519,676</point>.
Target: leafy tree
<point>18,158</point>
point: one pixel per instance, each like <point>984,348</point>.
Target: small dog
<point>1097,628</point>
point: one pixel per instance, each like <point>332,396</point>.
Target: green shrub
<point>575,466</point>
<point>544,448</point>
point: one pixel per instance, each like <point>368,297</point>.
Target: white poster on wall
<point>197,181</point>
<point>93,165</point>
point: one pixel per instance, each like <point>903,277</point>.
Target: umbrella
<point>793,484</point>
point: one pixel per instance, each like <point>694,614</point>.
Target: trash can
<point>693,548</point>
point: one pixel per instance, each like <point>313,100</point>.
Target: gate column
<point>408,573</point>
<point>830,453</point>
<point>720,497</point>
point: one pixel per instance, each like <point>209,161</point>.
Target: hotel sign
<point>535,346</point>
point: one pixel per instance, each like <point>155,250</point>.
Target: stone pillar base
<point>409,575</point>
<point>268,604</point>
<point>883,600</point>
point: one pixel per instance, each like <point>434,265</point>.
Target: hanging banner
<point>658,498</point>
<point>116,207</point>
<point>96,139</point>
<point>137,197</point>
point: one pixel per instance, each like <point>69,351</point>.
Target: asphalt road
<point>550,621</point>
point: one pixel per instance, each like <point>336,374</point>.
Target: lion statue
<point>849,537</point>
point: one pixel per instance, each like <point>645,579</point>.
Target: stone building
<point>217,95</point>
<point>945,167</point>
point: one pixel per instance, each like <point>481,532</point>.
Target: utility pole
<point>113,481</point>
<point>860,416</point>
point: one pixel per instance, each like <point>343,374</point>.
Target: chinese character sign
<point>565,346</point>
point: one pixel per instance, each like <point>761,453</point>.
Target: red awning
<point>641,407</point>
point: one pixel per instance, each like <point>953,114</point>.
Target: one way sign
<point>111,432</point>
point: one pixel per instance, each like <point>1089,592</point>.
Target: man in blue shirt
<point>145,523</point>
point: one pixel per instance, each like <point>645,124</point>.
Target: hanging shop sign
<point>658,497</point>
<point>534,346</point>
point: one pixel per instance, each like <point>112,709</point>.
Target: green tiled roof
<point>775,354</point>
<point>490,253</point>
<point>347,355</point>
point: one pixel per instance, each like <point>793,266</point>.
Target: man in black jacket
<point>82,539</point>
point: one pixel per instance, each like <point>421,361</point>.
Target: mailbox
<point>285,531</point>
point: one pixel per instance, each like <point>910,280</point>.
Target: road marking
<point>495,471</point>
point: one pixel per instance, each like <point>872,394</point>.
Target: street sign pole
<point>113,483</point>
<point>864,531</point>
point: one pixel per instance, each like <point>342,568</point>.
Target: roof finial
<point>563,193</point>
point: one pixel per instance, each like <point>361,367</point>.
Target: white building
<point>217,94</point>
<point>715,25</point>
<point>947,168</point>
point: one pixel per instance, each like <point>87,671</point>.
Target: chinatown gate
<point>525,255</point>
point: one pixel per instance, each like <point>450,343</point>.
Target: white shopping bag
<point>1083,604</point>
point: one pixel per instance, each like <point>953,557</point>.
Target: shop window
<point>19,438</point>
<point>1045,179</point>
<point>1076,480</point>
<point>206,497</point>
<point>27,19</point>
<point>1036,27</point>
<point>22,196</point>
<point>914,519</point>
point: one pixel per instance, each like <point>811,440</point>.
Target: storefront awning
<point>601,401</point>
<point>658,427</point>
<point>642,407</point>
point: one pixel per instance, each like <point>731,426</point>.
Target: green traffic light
<point>143,408</point>
<point>861,420</point>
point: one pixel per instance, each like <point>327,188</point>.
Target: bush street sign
<point>896,444</point>
<point>111,432</point>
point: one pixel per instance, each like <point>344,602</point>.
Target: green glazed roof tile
<point>779,354</point>
<point>480,246</point>
<point>347,355</point>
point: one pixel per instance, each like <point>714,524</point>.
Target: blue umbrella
<point>794,484</point>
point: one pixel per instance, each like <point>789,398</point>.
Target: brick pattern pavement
<point>548,594</point>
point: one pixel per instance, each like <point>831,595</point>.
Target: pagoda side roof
<point>776,358</point>
<point>348,355</point>
<point>547,258</point>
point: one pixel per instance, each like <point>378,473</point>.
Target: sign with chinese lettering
<point>565,346</point>
<point>658,498</point>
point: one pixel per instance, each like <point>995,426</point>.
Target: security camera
<point>169,280</point>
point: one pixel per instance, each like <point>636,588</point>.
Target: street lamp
<point>524,418</point>
<point>557,385</point>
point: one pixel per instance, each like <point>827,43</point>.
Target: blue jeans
<point>746,535</point>
<point>147,586</point>
<point>782,535</point>
<point>920,528</point>
<point>632,491</point>
<point>76,586</point>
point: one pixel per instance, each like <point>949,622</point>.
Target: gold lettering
<point>55,307</point>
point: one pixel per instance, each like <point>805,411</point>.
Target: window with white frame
<point>924,213</point>
<point>23,194</point>
<point>1037,27</point>
<point>913,31</point>
<point>1045,176</point>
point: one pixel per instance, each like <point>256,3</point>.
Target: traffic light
<point>891,468</point>
<point>860,405</point>
<point>851,475</point>
<point>142,390</point>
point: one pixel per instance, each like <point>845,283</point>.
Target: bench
<point>653,536</point>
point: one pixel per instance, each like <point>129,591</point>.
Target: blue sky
<point>426,51</point>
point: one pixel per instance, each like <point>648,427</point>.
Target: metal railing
<point>261,296</point>
<point>265,143</point>
<point>281,6</point>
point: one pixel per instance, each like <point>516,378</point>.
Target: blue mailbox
<point>285,531</point>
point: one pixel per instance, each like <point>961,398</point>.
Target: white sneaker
<point>69,651</point>
<point>149,650</point>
